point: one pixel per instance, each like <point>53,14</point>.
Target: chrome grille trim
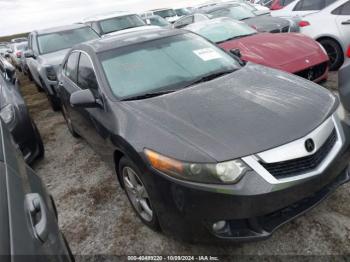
<point>275,154</point>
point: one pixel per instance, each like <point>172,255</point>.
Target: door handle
<point>60,84</point>
<point>347,22</point>
<point>37,211</point>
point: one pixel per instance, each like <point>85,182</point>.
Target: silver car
<point>46,50</point>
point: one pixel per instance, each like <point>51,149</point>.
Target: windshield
<point>169,63</point>
<point>222,31</point>
<point>157,20</point>
<point>53,42</point>
<point>165,13</point>
<point>182,11</point>
<point>120,23</point>
<point>235,12</point>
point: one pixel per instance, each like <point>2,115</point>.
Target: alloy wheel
<point>137,193</point>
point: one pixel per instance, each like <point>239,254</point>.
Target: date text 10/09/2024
<point>173,258</point>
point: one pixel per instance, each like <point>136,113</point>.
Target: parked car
<point>28,215</point>
<point>46,50</point>
<point>17,55</point>
<point>330,27</point>
<point>278,4</point>
<point>291,8</point>
<point>182,11</point>
<point>15,114</point>
<point>5,48</point>
<point>293,53</point>
<point>19,40</point>
<point>190,19</point>
<point>117,21</point>
<point>157,21</point>
<point>167,13</point>
<point>200,143</point>
<point>263,23</point>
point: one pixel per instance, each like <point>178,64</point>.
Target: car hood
<point>55,58</point>
<point>267,23</point>
<point>275,50</point>
<point>251,110</point>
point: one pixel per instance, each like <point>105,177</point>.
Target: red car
<point>294,53</point>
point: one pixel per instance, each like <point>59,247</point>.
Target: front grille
<point>312,73</point>
<point>285,29</point>
<point>302,165</point>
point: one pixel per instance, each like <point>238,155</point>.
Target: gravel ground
<point>96,217</point>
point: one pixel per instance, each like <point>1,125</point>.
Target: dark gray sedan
<point>28,215</point>
<point>206,148</point>
<point>262,23</point>
<point>15,114</point>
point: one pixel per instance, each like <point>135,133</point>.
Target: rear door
<point>33,230</point>
<point>342,18</point>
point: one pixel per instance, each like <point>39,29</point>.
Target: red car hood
<point>290,52</point>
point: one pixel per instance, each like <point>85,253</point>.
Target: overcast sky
<point>19,16</point>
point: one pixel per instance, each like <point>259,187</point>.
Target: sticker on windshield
<point>207,54</point>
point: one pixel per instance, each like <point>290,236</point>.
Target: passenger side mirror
<point>84,99</point>
<point>29,54</point>
<point>9,51</point>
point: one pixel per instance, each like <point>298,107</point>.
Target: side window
<point>95,27</point>
<point>287,2</point>
<point>86,75</point>
<point>35,45</point>
<point>184,21</point>
<point>343,9</point>
<point>220,13</point>
<point>308,5</point>
<point>30,41</point>
<point>70,68</point>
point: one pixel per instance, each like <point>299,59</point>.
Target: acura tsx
<point>206,148</point>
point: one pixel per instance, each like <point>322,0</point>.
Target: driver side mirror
<point>84,99</point>
<point>29,54</point>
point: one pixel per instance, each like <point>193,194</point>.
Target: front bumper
<point>252,209</point>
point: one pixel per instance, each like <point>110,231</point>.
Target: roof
<point>130,37</point>
<point>130,30</point>
<point>60,28</point>
<point>159,9</point>
<point>198,25</point>
<point>107,16</point>
<point>213,8</point>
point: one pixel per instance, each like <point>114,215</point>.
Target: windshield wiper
<point>148,95</point>
<point>209,77</point>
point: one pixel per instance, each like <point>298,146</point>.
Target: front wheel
<point>39,141</point>
<point>68,120</point>
<point>137,193</point>
<point>335,53</point>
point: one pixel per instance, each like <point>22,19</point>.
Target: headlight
<point>229,172</point>
<point>51,73</point>
<point>7,114</point>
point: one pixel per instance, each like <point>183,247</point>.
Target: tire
<point>143,202</point>
<point>334,51</point>
<point>40,144</point>
<point>69,122</point>
<point>55,102</point>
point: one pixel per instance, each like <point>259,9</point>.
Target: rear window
<point>120,23</point>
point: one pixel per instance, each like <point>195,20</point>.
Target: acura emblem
<point>309,145</point>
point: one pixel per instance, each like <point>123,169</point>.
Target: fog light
<point>219,226</point>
